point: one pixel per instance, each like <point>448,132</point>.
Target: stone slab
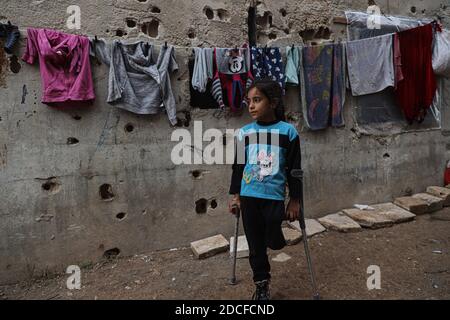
<point>440,192</point>
<point>292,236</point>
<point>368,219</point>
<point>340,222</point>
<point>313,227</point>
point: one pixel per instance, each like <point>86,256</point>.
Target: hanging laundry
<point>267,63</point>
<point>338,85</point>
<point>293,55</point>
<point>370,64</point>
<point>64,65</point>
<point>136,82</point>
<point>415,93</point>
<point>203,68</point>
<point>441,52</point>
<point>232,76</point>
<point>322,85</point>
<point>12,35</point>
<point>202,100</point>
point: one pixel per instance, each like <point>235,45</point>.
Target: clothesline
<point>23,35</point>
<point>142,85</point>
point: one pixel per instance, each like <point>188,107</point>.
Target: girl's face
<point>259,106</point>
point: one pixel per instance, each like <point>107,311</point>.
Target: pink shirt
<point>64,63</point>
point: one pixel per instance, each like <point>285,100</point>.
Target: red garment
<point>415,93</point>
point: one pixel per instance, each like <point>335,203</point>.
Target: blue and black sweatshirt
<point>269,151</point>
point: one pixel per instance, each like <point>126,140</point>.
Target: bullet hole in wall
<point>121,215</point>
<point>72,141</point>
<point>413,9</point>
<point>201,206</point>
<point>129,127</point>
<point>191,34</point>
<point>272,35</point>
<point>386,155</point>
<point>197,174</point>
<point>209,13</point>
<point>213,203</point>
<point>264,21</point>
<point>151,28</point>
<point>51,186</point>
<point>106,192</point>
<point>14,64</point>
<point>223,15</point>
<point>155,9</point>
<point>76,117</point>
<point>283,12</point>
<point>131,23</point>
<point>111,253</point>
<point>120,33</point>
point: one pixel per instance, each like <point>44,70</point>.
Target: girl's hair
<point>272,90</point>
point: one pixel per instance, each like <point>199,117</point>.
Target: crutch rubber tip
<point>233,281</point>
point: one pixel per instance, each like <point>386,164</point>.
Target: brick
<point>340,222</point>
<point>242,247</point>
<point>210,246</point>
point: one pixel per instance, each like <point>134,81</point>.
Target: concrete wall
<point>51,210</point>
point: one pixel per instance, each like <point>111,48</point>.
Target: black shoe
<point>262,291</point>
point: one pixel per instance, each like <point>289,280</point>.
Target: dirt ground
<point>413,257</point>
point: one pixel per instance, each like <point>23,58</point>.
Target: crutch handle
<point>235,210</point>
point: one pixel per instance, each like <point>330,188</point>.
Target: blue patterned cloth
<point>267,63</point>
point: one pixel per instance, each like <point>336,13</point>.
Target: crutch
<point>237,214</point>
<point>298,174</point>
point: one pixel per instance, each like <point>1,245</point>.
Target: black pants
<point>262,220</point>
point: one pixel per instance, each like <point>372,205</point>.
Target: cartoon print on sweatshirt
<point>263,167</point>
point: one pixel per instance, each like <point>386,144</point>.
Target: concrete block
<point>440,192</point>
<point>414,205</point>
<point>242,247</point>
<point>393,212</point>
<point>313,227</point>
<point>210,246</point>
<point>340,222</point>
<point>368,219</point>
<point>434,203</point>
<point>291,236</point>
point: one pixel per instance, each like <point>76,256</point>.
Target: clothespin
<point>95,39</point>
<point>165,44</point>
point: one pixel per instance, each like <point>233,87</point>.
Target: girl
<point>270,149</point>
